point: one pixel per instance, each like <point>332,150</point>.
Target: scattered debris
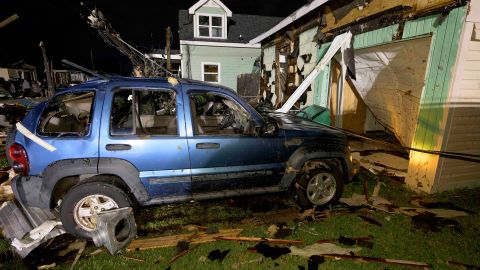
<point>79,253</point>
<point>181,253</point>
<point>467,266</point>
<point>324,248</point>
<point>74,246</point>
<point>430,222</point>
<point>279,231</point>
<point>47,266</point>
<point>346,240</point>
<point>109,234</point>
<point>217,255</point>
<point>314,261</point>
<point>95,252</point>
<point>260,239</point>
<point>375,202</point>
<point>358,241</point>
<point>243,264</point>
<point>133,258</point>
<point>385,164</point>
<point>439,205</point>
<point>35,236</point>
<point>171,241</point>
<point>211,230</point>
<point>444,213</point>
<point>370,220</point>
<point>6,193</point>
<point>269,251</point>
<point>381,260</point>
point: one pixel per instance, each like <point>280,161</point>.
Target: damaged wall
<point>462,132</point>
<point>431,122</point>
<point>306,60</point>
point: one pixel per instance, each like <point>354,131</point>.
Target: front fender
<point>303,154</point>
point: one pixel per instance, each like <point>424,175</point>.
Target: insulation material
<point>268,60</point>
<point>390,79</point>
<point>308,45</point>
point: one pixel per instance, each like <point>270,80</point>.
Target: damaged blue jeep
<point>118,142</point>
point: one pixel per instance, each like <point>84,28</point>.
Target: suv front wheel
<point>81,204</point>
<point>319,187</point>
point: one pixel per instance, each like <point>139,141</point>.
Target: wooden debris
<point>381,260</point>
<point>171,241</point>
<point>176,257</point>
<point>47,266</point>
<point>467,266</point>
<point>79,253</point>
<point>133,258</point>
<point>444,213</point>
<point>95,252</point>
<point>318,249</point>
<point>6,193</point>
<point>333,240</point>
<point>260,239</point>
<point>370,220</point>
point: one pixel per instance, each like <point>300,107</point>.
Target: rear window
<point>67,115</point>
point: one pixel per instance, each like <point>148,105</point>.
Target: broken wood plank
<point>6,193</point>
<point>260,239</point>
<point>171,241</point>
<point>444,213</point>
<point>176,257</point>
<point>381,260</point>
<point>133,258</point>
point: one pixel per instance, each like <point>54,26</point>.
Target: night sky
<point>67,35</point>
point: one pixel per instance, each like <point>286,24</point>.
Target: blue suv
<point>135,141</point>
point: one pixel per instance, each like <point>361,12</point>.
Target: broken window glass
<point>67,115</point>
<point>144,112</point>
<point>214,114</point>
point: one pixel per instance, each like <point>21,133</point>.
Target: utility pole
<point>51,87</point>
<point>168,34</point>
<point>8,20</point>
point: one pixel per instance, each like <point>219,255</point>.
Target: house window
<point>211,72</point>
<point>210,26</point>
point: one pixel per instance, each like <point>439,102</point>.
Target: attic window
<point>210,26</point>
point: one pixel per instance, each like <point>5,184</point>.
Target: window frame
<point>226,96</point>
<point>56,134</point>
<point>134,91</point>
<point>210,26</point>
<point>219,81</point>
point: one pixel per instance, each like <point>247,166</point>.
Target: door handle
<point>118,147</point>
<point>208,145</point>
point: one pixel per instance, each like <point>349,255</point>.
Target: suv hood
<point>296,127</point>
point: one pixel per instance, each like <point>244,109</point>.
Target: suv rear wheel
<point>82,202</point>
<point>319,187</point>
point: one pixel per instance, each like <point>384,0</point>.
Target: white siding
<point>463,127</point>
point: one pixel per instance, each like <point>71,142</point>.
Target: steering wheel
<point>228,119</point>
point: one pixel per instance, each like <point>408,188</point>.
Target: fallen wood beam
<point>261,239</point>
<point>8,20</point>
<point>171,241</point>
<point>6,193</point>
<point>380,260</point>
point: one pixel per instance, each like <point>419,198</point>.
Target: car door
<point>225,154</point>
<point>143,124</point>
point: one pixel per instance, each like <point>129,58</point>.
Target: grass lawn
<point>396,239</point>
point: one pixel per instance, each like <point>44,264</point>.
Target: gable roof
<point>200,3</point>
<point>290,19</point>
<point>240,27</point>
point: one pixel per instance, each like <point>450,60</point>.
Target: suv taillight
<point>19,158</point>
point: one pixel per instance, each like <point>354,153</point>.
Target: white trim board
<point>218,73</point>
<point>219,44</point>
<point>290,19</point>
<point>200,3</point>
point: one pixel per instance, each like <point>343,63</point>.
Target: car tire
<point>319,187</point>
<point>88,198</point>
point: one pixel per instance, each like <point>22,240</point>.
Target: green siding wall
<point>376,37</point>
<point>446,34</point>
<point>233,61</point>
<point>322,85</point>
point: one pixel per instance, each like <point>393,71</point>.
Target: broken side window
<point>143,112</point>
<point>67,115</point>
<point>214,114</point>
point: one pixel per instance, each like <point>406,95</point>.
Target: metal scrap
<point>107,233</point>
